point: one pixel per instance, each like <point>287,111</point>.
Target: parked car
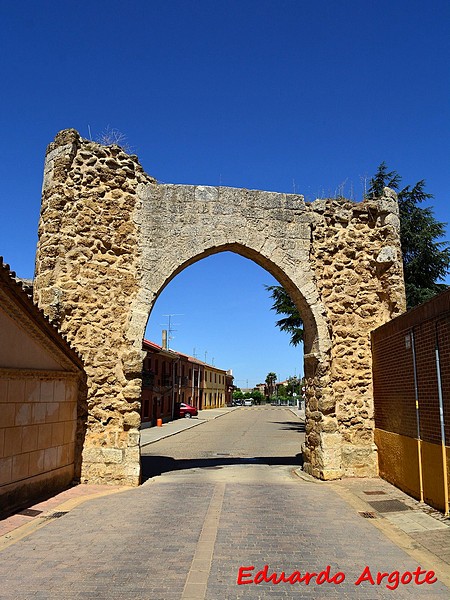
<point>185,410</point>
<point>248,402</point>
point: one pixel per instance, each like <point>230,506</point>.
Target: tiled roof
<point>21,291</point>
<point>186,356</point>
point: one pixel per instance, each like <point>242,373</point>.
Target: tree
<point>270,383</point>
<point>257,396</point>
<point>283,305</point>
<point>293,386</point>
<point>426,259</point>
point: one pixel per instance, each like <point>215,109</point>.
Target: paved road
<point>226,497</point>
<point>256,435</point>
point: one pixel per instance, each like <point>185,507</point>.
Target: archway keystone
<point>111,238</point>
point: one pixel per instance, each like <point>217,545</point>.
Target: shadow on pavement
<point>156,465</point>
<point>291,425</point>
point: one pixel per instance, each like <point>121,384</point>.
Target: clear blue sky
<point>275,95</point>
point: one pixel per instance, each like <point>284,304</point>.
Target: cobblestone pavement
<point>186,532</point>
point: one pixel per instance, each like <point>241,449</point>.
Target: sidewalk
<point>149,435</point>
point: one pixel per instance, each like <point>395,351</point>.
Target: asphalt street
<point>222,515</point>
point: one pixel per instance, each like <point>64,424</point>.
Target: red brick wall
<point>393,372</point>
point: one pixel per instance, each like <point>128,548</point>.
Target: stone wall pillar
<point>356,256</point>
<point>86,279</point>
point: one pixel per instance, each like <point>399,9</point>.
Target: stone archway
<point>111,238</point>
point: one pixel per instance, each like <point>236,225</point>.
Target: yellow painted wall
<point>398,461</point>
<point>433,480</point>
<point>214,382</point>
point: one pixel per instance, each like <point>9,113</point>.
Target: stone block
<point>103,455</point>
<point>20,465</point>
<point>6,470</point>
<point>36,462</point>
<point>44,436</point>
<point>30,438</point>
<point>16,390</point>
<point>13,441</point>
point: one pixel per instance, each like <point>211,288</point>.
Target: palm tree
<point>270,383</point>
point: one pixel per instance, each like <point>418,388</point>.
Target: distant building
<point>260,387</point>
<point>214,387</point>
<point>230,387</point>
<point>158,390</point>
<point>170,377</point>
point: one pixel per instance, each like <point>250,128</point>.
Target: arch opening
<point>236,325</point>
<point>311,341</point>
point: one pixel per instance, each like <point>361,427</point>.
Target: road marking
<point>197,579</point>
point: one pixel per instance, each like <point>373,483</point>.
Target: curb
<point>191,425</point>
<point>167,435</point>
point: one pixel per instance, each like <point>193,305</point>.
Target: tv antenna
<point>170,325</point>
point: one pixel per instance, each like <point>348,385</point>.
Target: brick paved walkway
<point>184,536</point>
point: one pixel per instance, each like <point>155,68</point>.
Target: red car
<point>186,410</point>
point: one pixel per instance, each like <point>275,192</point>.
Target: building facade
<point>158,389</point>
<point>43,409</point>
<point>169,378</point>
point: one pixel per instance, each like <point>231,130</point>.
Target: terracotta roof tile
<point>22,291</point>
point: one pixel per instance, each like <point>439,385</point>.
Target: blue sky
<point>275,95</point>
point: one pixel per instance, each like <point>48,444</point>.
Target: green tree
<point>282,391</point>
<point>283,305</point>
<point>270,383</point>
<point>426,259</point>
<point>293,386</point>
<point>257,396</point>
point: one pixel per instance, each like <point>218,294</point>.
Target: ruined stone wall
<point>110,239</point>
<point>356,256</point>
<point>86,267</point>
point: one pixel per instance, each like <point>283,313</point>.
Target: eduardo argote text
<point>391,580</point>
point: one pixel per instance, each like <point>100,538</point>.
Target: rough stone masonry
<point>111,238</point>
